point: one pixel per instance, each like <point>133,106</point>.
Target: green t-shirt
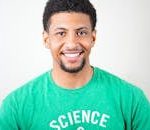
<point>104,103</point>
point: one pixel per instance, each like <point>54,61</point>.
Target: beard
<point>72,70</point>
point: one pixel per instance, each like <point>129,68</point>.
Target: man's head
<point>55,6</point>
<point>69,32</point>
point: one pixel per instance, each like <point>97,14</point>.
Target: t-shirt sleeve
<point>8,114</point>
<point>141,114</point>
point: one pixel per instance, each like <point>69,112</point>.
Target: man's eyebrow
<point>82,28</point>
<point>60,28</point>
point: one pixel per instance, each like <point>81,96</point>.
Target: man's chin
<point>72,69</point>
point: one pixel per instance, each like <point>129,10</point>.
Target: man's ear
<point>93,37</point>
<point>46,39</point>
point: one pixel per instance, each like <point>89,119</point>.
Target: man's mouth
<point>72,56</point>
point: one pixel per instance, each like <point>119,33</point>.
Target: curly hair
<point>56,6</point>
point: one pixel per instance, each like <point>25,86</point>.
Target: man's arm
<point>8,115</point>
<point>141,114</point>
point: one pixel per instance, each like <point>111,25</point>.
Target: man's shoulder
<point>31,87</point>
<point>36,82</point>
<point>115,82</point>
<point>120,88</point>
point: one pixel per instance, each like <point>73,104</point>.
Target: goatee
<point>72,70</point>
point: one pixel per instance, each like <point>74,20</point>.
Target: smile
<point>72,55</point>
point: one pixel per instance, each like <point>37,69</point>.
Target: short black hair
<point>56,6</point>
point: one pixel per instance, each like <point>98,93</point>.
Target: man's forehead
<point>70,20</point>
<point>64,27</point>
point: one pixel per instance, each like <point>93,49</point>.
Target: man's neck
<point>72,80</point>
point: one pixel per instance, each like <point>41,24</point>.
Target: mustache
<point>75,49</point>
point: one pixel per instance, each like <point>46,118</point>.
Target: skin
<point>70,38</point>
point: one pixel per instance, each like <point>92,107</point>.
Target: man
<point>74,95</point>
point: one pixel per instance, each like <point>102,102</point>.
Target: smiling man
<point>70,37</point>
<point>73,37</point>
<point>74,95</point>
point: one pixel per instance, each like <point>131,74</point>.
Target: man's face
<point>70,39</point>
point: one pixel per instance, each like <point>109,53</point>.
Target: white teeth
<point>72,55</point>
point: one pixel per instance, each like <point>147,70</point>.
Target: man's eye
<point>60,33</point>
<point>81,33</point>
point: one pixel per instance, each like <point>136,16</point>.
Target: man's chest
<point>77,114</point>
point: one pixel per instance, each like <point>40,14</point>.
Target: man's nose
<point>71,40</point>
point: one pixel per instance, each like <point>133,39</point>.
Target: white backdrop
<point>122,47</point>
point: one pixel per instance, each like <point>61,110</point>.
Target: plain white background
<point>122,46</point>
